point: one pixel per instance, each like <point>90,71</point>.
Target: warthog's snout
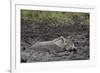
<point>74,49</point>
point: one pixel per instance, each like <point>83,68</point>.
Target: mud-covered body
<point>57,45</point>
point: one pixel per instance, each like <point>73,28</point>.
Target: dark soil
<point>32,32</point>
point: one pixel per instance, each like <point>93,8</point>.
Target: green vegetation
<point>56,17</point>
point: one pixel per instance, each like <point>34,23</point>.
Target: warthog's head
<point>64,43</point>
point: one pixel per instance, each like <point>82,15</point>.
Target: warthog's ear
<point>63,38</point>
<point>59,38</point>
<point>60,42</point>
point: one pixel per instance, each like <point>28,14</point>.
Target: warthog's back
<point>46,46</point>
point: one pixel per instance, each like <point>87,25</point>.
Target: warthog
<point>57,45</point>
